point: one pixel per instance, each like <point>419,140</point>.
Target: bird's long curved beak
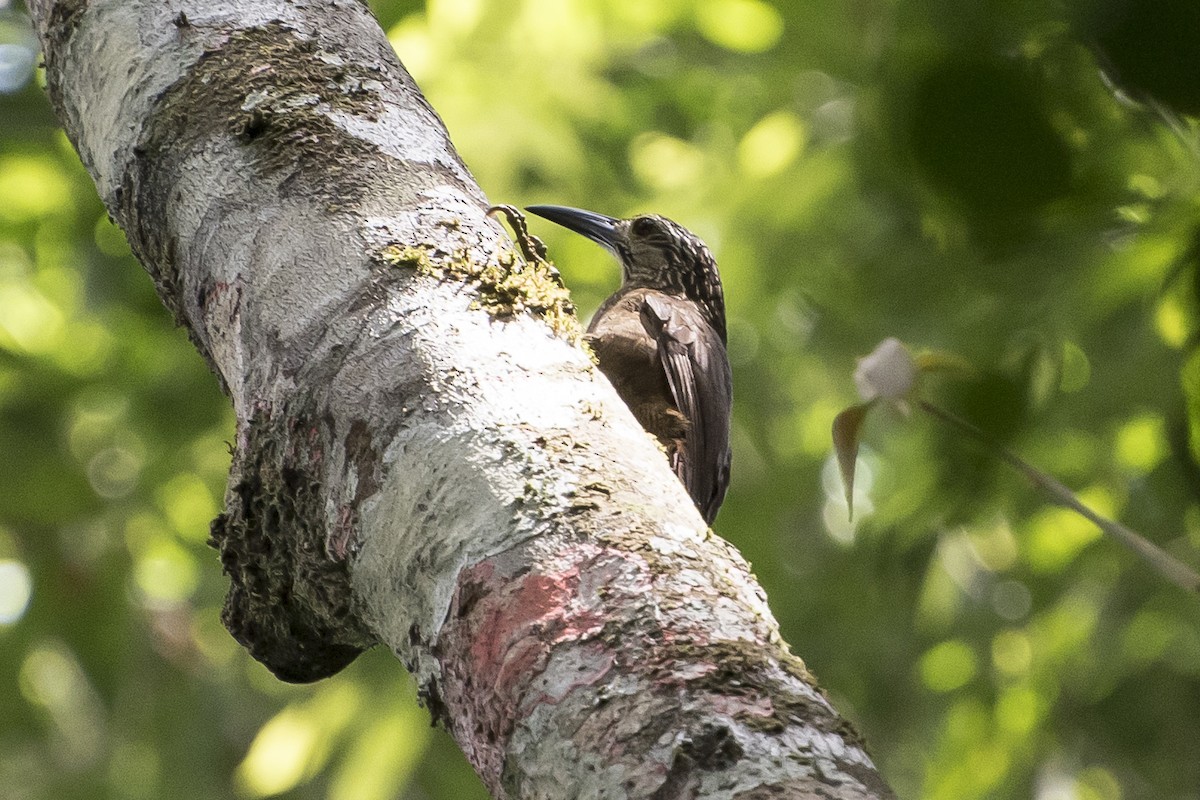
<point>600,229</point>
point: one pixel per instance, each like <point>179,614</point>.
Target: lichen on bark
<point>286,121</point>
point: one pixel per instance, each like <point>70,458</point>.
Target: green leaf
<point>942,361</point>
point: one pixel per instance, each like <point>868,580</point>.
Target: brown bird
<point>660,340</point>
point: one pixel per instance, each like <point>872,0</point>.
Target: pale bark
<point>454,481</point>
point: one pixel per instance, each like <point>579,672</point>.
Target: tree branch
<point>422,460</point>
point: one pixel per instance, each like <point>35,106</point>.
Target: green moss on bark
<point>505,286</point>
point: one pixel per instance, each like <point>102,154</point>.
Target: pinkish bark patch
<point>500,633</point>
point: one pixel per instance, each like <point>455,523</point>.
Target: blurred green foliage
<point>955,174</point>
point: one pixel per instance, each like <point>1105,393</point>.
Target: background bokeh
<point>959,175</point>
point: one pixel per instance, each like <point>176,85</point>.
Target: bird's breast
<point>629,358</point>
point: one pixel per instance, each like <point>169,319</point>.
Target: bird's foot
<point>533,250</point>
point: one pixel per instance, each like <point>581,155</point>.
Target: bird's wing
<point>697,369</point>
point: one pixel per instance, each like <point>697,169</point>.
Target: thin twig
<point>1160,560</point>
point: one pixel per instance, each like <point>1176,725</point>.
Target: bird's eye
<point>643,226</point>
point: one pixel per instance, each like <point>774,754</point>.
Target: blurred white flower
<point>888,373</point>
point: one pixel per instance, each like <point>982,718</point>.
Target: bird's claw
<point>533,250</point>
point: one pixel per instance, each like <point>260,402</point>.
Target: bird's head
<point>654,252</point>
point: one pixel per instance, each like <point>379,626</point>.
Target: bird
<point>661,338</point>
